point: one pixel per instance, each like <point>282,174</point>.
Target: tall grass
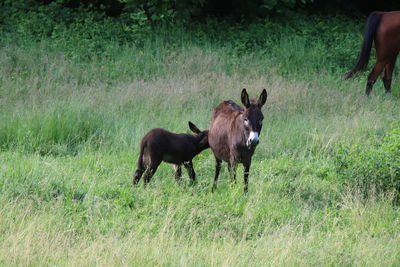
<point>71,122</point>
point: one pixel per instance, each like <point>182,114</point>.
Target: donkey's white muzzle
<point>252,140</point>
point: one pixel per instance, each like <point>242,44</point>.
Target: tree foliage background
<point>132,20</point>
<point>172,10</point>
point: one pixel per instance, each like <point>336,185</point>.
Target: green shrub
<point>371,167</point>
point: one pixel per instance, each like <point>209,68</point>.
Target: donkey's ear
<point>262,99</point>
<point>194,128</point>
<point>245,98</point>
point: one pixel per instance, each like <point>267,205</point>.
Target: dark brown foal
<point>161,145</point>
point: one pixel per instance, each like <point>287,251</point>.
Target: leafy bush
<point>88,36</point>
<point>373,167</point>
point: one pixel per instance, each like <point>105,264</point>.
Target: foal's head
<point>252,117</point>
<point>201,136</point>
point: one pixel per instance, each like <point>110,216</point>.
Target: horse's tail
<point>373,22</point>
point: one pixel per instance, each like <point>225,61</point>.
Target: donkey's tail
<point>140,160</point>
<point>373,22</point>
<point>139,171</point>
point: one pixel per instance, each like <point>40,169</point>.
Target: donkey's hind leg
<point>151,170</point>
<point>217,170</point>
<point>232,171</point>
<point>138,174</point>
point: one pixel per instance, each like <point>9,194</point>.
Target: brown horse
<point>384,29</point>
<point>161,145</point>
<point>234,132</point>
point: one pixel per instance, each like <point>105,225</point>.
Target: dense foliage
<point>372,167</point>
<point>155,11</point>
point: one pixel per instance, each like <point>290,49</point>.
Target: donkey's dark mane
<point>231,104</point>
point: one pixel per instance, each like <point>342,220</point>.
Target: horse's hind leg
<point>217,170</point>
<point>387,75</point>
<point>189,167</point>
<point>373,75</point>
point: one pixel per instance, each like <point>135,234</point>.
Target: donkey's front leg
<point>178,173</point>
<point>246,175</point>
<point>189,167</point>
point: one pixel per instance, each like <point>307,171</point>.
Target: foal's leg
<point>151,170</point>
<point>189,167</point>
<point>373,75</point>
<point>139,171</point>
<point>217,169</point>
<point>138,174</point>
<point>232,170</point>
<point>387,75</point>
<point>246,175</point>
<point>178,173</point>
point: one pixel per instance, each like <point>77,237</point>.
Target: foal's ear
<point>262,99</point>
<point>245,98</point>
<point>194,128</point>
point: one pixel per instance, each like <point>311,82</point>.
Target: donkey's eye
<point>246,120</point>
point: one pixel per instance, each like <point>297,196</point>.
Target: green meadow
<point>323,186</point>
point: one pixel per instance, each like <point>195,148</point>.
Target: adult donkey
<point>234,132</point>
<point>384,29</point>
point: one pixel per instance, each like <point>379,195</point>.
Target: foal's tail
<point>140,160</point>
<point>139,171</point>
<point>373,22</point>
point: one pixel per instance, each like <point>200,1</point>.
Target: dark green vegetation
<point>76,97</point>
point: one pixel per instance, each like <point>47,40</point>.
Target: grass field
<point>69,138</point>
